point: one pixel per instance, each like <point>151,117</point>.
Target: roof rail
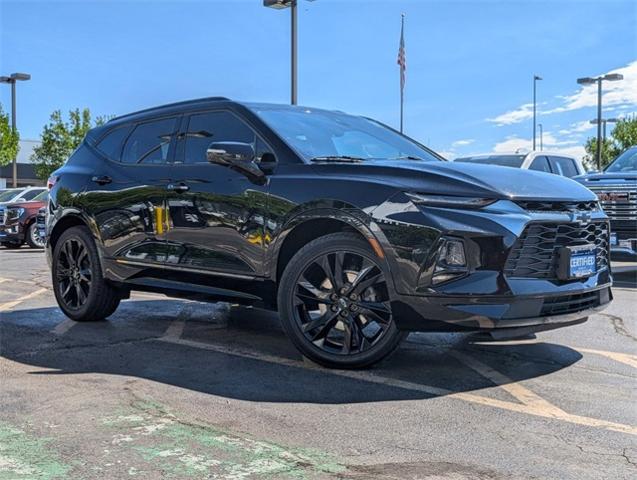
<point>175,104</point>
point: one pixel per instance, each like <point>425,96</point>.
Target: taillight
<point>51,181</point>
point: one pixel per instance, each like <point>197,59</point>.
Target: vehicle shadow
<point>242,353</point>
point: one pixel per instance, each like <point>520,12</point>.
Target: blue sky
<point>469,64</point>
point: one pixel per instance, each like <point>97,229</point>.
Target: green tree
<point>624,135</point>
<point>9,139</point>
<point>59,138</point>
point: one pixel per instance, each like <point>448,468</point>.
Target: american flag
<point>401,55</point>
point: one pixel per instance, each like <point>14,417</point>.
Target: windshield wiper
<point>408,157</point>
<point>337,158</point>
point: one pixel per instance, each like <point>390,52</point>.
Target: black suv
<point>355,233</point>
<point>616,188</point>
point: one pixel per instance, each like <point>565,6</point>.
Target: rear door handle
<point>178,187</point>
<point>102,179</point>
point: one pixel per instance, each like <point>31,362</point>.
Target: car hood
<point>462,179</point>
<point>593,179</point>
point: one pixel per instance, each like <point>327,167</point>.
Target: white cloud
<point>618,94</point>
<point>462,143</point>
<point>518,115</point>
<point>566,147</point>
<point>577,127</point>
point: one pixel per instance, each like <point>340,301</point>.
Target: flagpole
<point>402,69</point>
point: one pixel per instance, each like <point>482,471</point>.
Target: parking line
<point>625,358</point>
<point>521,393</point>
<point>536,407</point>
<point>63,327</point>
<point>9,305</point>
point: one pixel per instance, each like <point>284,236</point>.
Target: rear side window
<point>540,164</point>
<point>31,194</point>
<point>111,144</point>
<point>564,166</point>
<point>150,142</point>
<point>206,128</point>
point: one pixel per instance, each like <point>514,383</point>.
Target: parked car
<point>355,233</point>
<point>548,162</point>
<point>616,188</point>
<point>23,194</point>
<point>18,222</point>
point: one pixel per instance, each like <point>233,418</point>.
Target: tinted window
<point>206,128</point>
<point>564,166</point>
<point>149,142</point>
<point>540,164</point>
<point>111,144</point>
<point>315,133</point>
<point>626,162</point>
<point>31,194</point>
<point>502,160</point>
<point>9,194</point>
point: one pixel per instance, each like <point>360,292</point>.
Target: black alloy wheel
<point>74,273</point>
<point>78,284</point>
<point>338,310</point>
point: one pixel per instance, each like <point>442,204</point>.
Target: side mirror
<point>230,153</point>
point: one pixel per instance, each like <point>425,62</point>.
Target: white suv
<point>24,194</point>
<point>549,162</point>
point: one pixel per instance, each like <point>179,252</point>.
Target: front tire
<point>334,303</point>
<point>78,283</point>
<point>33,236</point>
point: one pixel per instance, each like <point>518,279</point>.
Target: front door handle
<point>102,179</point>
<point>178,187</point>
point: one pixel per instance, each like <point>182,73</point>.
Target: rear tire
<point>334,303</point>
<point>78,283</point>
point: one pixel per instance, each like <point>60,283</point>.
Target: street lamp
<point>611,77</point>
<point>604,122</point>
<point>280,5</point>
<point>541,137</point>
<point>12,80</point>
<point>535,79</point>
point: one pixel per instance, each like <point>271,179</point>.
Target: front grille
<point>1,216</point>
<point>535,253</point>
<point>618,202</point>
<point>569,303</point>
<point>535,206</point>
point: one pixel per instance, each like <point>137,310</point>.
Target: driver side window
<point>206,128</point>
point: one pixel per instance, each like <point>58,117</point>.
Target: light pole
<point>604,122</point>
<point>541,137</point>
<point>279,5</point>
<point>535,79</point>
<point>611,77</point>
<point>12,80</point>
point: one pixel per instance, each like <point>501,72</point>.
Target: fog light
<point>453,253</point>
<point>451,263</point>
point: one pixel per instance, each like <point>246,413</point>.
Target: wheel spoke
<point>380,307</point>
<point>324,323</point>
<point>347,338</point>
<point>372,315</point>
<point>362,273</point>
<point>324,263</point>
<point>363,285</point>
<point>309,286</point>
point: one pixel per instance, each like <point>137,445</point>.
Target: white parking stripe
<point>625,358</point>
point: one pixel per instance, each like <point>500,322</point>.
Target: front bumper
<point>11,233</point>
<point>623,246</point>
<point>488,313</point>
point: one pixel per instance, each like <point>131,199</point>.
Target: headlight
<point>14,213</point>
<point>449,201</point>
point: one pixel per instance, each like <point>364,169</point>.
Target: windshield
<point>502,160</point>
<point>7,195</point>
<point>626,162</point>
<point>319,134</point>
<point>42,197</point>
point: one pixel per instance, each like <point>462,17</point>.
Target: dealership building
<point>26,172</point>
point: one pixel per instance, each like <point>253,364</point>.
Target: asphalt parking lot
<point>177,389</point>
